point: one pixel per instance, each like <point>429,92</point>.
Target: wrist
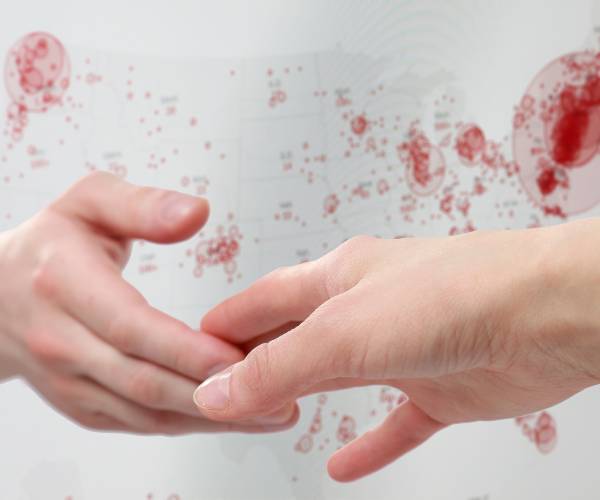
<point>568,296</point>
<point>9,353</point>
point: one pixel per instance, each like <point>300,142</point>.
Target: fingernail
<point>177,207</point>
<point>213,393</point>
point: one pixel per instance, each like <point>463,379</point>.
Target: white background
<point>495,49</point>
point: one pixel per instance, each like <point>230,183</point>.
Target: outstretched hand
<point>86,339</point>
<point>475,327</point>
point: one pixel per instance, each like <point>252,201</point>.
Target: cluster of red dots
<point>540,429</point>
<point>287,214</point>
<point>331,204</point>
<point>278,95</point>
<point>304,164</point>
<point>36,74</point>
<point>362,137</point>
<point>426,166</point>
<point>201,183</point>
<point>277,98</point>
<point>390,398</point>
<point>221,250</point>
<point>557,135</point>
<point>345,431</point>
<point>306,442</point>
<point>470,144</point>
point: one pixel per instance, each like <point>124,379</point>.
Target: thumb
<point>275,373</point>
<point>128,211</point>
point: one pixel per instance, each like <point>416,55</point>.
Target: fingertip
<point>335,472</point>
<point>204,208</point>
<point>404,429</point>
<point>182,215</point>
<point>211,321</point>
<point>342,466</point>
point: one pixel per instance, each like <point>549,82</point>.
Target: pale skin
<point>86,340</point>
<point>482,326</point>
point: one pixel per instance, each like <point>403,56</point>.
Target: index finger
<point>290,294</point>
<point>286,295</point>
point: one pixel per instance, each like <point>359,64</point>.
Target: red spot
<point>304,444</point>
<point>554,210</point>
<point>425,163</point>
<point>317,422</point>
<point>545,433</point>
<point>277,97</point>
<point>547,181</point>
<point>331,204</point>
<point>220,250</point>
<point>359,124</point>
<point>540,430</point>
<point>446,203</point>
<point>470,144</point>
<point>383,186</point>
<point>575,135</point>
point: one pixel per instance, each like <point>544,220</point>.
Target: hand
<point>86,339</point>
<point>476,327</point>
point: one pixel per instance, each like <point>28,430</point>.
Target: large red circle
<point>37,71</point>
<point>556,135</point>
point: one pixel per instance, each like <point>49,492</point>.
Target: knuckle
<point>45,279</point>
<point>144,388</point>
<point>49,349</point>
<point>356,244</point>
<point>344,266</point>
<point>331,317</point>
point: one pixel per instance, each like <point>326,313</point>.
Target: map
<point>395,131</point>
